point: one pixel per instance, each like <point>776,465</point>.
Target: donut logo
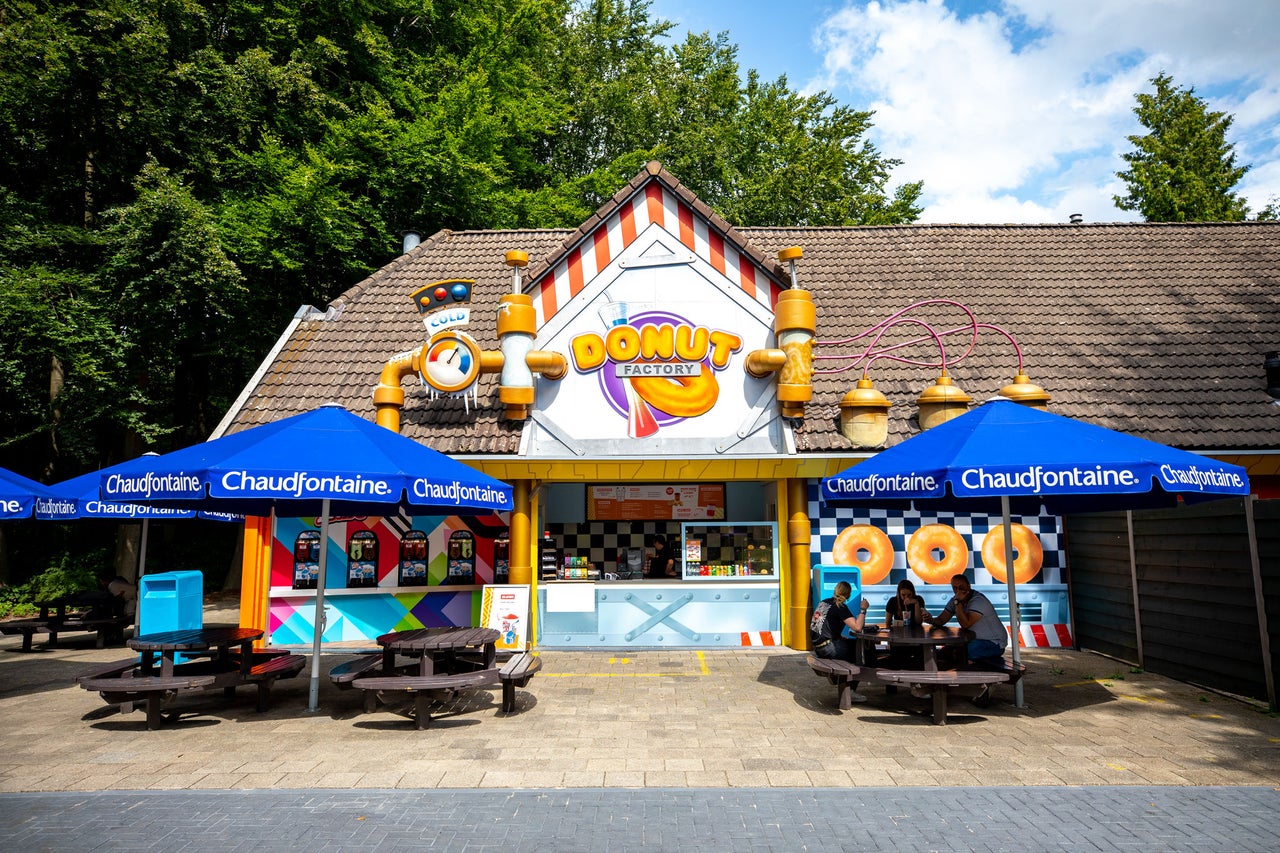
<point>655,368</point>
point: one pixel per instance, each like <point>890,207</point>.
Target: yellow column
<point>255,574</point>
<point>521,570</point>
<point>798,532</point>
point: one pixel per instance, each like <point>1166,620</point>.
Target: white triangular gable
<point>661,272</point>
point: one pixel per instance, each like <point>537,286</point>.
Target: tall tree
<point>1183,169</point>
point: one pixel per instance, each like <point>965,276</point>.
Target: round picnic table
<point>925,636</point>
<point>214,641</point>
<point>432,646</point>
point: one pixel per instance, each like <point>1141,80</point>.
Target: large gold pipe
<point>798,533</point>
<point>521,569</point>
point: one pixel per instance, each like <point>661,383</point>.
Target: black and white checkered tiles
<point>600,541</point>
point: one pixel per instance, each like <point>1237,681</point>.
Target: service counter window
<point>742,551</point>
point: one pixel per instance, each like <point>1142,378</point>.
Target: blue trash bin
<point>170,601</point>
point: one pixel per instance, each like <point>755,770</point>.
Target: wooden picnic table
<point>939,684</point>
<point>437,649</point>
<point>214,642</point>
<point>225,659</point>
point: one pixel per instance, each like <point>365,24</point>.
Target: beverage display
<point>462,558</point>
<point>413,559</point>
<point>746,551</point>
<point>306,559</point>
<point>502,560</point>
<point>362,559</point>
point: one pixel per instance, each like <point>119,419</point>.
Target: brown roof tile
<point>1155,329</point>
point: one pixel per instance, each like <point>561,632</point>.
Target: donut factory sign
<point>656,368</point>
<point>656,353</point>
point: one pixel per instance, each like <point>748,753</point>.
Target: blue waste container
<point>170,601</point>
<point>825,578</point>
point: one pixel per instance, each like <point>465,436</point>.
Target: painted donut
<point>683,396</point>
<point>1027,550</point>
<point>942,538</point>
<point>864,537</point>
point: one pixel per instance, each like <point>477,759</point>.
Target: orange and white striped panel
<point>655,205</point>
<point>761,638</point>
<point>1045,636</point>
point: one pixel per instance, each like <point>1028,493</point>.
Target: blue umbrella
<point>1021,456</point>
<point>18,495</point>
<point>79,498</point>
<point>315,464</point>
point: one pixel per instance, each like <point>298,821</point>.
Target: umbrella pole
<point>1015,629</point>
<point>313,702</point>
<point>142,551</point>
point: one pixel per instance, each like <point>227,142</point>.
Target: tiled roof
<point>1155,329</point>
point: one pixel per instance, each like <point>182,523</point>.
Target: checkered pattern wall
<point>600,541</point>
<point>828,521</point>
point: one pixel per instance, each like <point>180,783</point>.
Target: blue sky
<point>1016,111</point>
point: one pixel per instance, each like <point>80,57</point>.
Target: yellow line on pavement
<point>703,669</point>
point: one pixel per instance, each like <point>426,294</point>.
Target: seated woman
<point>905,605</point>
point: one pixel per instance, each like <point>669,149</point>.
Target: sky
<point>1016,111</point>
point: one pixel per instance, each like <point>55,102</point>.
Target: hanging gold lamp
<point>941,402</point>
<point>864,415</point>
<point>1023,390</point>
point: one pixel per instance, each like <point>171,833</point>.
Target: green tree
<point>1183,169</point>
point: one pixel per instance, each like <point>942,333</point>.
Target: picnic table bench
<point>63,620</point>
<point>941,683</point>
<point>366,672</point>
<point>137,680</point>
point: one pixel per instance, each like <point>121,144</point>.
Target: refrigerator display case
<point>741,551</point>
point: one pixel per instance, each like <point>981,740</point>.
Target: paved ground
<point>700,820</point>
<point>672,738</point>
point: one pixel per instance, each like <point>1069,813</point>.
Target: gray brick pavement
<point>1128,818</point>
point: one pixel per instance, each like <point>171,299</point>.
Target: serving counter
<point>652,614</point>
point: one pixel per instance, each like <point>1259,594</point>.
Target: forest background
<point>179,177</point>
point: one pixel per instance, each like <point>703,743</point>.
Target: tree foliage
<point>1183,169</point>
<point>177,177</point>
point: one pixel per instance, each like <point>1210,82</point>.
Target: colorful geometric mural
<point>357,609</point>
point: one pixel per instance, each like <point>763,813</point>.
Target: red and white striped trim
<point>761,638</point>
<point>1045,636</point>
<point>656,205</point>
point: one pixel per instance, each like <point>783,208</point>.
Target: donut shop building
<point>659,372</point>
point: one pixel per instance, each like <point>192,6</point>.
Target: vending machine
<point>306,559</point>
<point>502,560</point>
<point>462,558</point>
<point>413,559</point>
<point>362,559</point>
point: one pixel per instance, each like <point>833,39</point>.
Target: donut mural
<point>927,548</point>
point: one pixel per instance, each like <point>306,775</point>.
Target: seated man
<point>826,629</point>
<point>975,612</point>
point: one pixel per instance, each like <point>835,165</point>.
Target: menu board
<point>656,502</point>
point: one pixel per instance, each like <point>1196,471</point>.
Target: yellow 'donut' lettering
<point>658,341</point>
<point>723,345</point>
<point>692,343</point>
<point>623,344</point>
<point>588,352</point>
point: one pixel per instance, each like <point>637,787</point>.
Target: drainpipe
<point>798,532</point>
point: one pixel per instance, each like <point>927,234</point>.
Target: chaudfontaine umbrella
<point>314,464</point>
<point>1031,459</point>
<point>79,498</point>
<point>18,495</point>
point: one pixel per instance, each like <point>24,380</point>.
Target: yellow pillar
<point>521,570</point>
<point>255,574</point>
<point>798,531</point>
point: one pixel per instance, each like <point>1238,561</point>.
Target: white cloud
<point>1020,113</point>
